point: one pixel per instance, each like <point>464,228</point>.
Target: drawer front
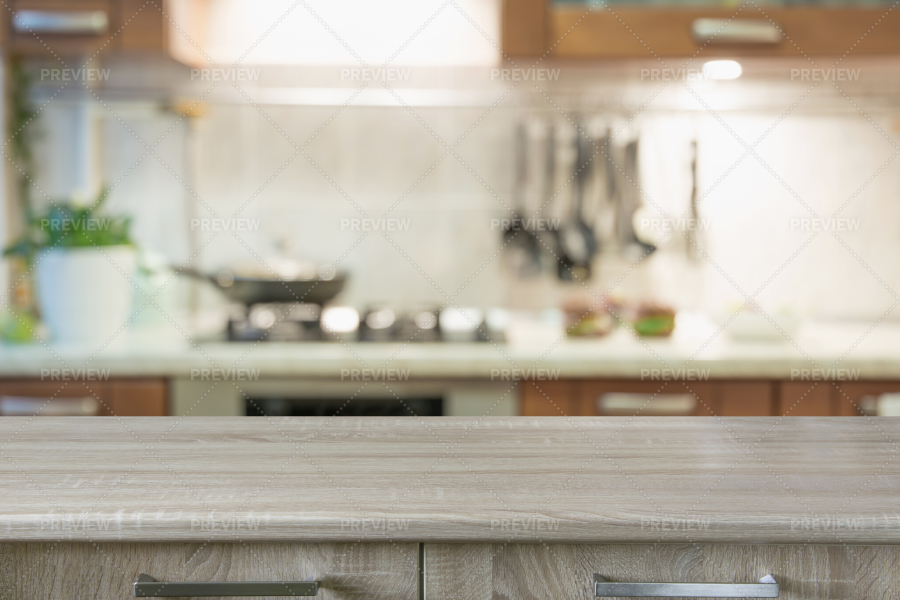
<point>77,571</point>
<point>535,571</point>
<point>119,397</point>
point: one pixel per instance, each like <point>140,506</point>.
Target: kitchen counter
<point>848,346</point>
<point>590,480</point>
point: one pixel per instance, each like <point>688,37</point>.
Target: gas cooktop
<point>291,322</point>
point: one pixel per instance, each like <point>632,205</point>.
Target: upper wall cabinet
<point>636,29</point>
<point>173,28</point>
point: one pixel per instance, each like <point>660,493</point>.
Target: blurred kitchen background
<point>467,190</point>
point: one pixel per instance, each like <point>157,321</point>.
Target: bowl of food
<point>588,317</point>
<point>653,320</point>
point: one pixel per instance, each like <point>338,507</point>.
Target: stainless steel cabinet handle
<point>62,22</point>
<point>145,586</point>
<point>766,588</point>
<point>735,31</point>
<point>26,406</point>
<point>627,403</point>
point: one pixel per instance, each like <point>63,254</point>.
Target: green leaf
<point>66,225</point>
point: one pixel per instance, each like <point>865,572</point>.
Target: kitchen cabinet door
<point>551,398</point>
<point>82,571</point>
<point>76,31</point>
<point>855,398</point>
<point>805,399</point>
<point>48,391</point>
<point>652,30</point>
<point>139,397</point>
<point>175,28</point>
<point>531,571</point>
<point>162,28</point>
<point>125,397</point>
<point>748,398</point>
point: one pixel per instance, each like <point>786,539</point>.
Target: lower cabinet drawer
<point>104,571</point>
<point>540,571</point>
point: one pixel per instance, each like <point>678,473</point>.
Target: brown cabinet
<point>723,398</point>
<point>514,571</point>
<point>743,398</point>
<point>539,28</point>
<point>57,28</point>
<point>852,398</point>
<point>121,397</point>
<point>805,399</point>
<point>138,397</point>
<point>551,398</point>
<point>625,397</point>
<point>174,28</point>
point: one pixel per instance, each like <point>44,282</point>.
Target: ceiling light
<point>722,69</point>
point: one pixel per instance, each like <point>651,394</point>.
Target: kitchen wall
<point>297,171</point>
<point>368,159</point>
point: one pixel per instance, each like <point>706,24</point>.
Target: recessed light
<point>722,69</point>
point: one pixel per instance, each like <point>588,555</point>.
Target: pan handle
<point>222,279</point>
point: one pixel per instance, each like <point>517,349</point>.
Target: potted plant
<point>84,265</point>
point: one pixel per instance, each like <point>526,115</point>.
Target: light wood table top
<point>522,479</point>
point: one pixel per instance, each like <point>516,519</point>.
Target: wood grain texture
<point>526,479</point>
<point>106,571</point>
<point>533,572</point>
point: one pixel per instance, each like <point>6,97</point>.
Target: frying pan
<point>253,290</point>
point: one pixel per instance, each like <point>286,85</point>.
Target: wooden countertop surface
<point>523,479</point>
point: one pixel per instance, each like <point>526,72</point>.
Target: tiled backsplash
<point>293,175</point>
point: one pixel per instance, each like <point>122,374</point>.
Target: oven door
<point>330,397</point>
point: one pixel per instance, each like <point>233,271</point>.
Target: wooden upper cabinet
<point>624,30</point>
<point>60,28</point>
<point>172,27</point>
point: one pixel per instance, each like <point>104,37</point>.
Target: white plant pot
<point>85,294</point>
